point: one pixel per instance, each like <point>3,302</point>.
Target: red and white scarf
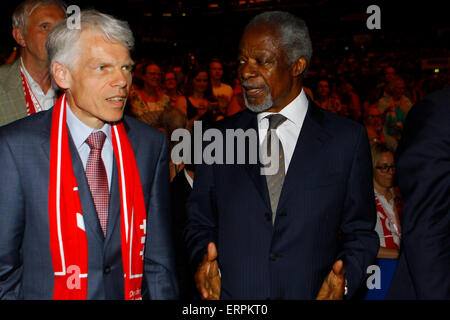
<point>68,242</point>
<point>391,232</point>
<point>31,101</point>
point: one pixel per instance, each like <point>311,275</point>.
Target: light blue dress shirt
<point>80,132</point>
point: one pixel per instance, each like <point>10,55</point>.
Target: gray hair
<point>294,34</point>
<point>24,10</point>
<point>62,42</point>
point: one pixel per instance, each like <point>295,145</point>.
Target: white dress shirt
<point>188,178</point>
<point>289,130</point>
<point>46,100</point>
<point>80,132</point>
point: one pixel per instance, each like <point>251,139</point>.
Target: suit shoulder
<point>144,130</point>
<point>337,124</point>
<point>442,95</point>
<point>436,103</point>
<point>237,120</point>
<point>6,70</point>
<point>32,125</point>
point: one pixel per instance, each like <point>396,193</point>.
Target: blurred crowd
<point>375,89</point>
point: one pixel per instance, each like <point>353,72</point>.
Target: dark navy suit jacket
<point>25,259</point>
<point>326,212</point>
<point>423,169</point>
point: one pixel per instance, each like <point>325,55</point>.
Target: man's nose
<point>121,78</point>
<point>247,70</point>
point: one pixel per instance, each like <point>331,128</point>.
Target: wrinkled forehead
<point>92,45</point>
<point>260,36</point>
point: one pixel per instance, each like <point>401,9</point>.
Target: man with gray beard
<point>306,229</point>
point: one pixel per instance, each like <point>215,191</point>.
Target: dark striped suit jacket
<point>326,212</point>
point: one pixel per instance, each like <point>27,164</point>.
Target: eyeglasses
<point>385,168</point>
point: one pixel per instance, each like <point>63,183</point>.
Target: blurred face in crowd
<point>200,82</point>
<point>398,89</point>
<point>40,23</point>
<point>373,118</point>
<point>383,176</point>
<point>97,85</point>
<point>323,88</point>
<point>269,83</point>
<point>389,74</point>
<point>152,76</point>
<point>170,80</point>
<point>216,71</point>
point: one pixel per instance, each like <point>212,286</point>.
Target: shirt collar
<point>33,83</point>
<point>80,131</point>
<point>295,111</point>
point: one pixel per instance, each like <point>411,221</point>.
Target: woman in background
<point>198,102</point>
<point>149,103</point>
<point>388,205</point>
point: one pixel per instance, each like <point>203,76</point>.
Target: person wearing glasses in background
<point>388,204</point>
<point>149,103</point>
<point>171,87</point>
<point>25,84</point>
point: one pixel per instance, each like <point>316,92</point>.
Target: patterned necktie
<point>275,181</point>
<point>97,178</point>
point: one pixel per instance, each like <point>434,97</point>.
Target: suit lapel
<point>254,170</point>
<point>309,143</point>
<point>114,203</point>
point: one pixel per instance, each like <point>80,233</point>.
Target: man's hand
<point>334,285</point>
<point>207,276</point>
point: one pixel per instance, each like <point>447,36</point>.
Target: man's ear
<point>298,66</point>
<point>17,34</point>
<point>61,75</point>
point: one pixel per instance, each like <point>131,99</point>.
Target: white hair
<point>294,34</point>
<point>62,42</point>
<point>24,10</point>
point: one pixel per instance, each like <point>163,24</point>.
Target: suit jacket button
<point>268,216</point>
<point>107,270</point>
<point>272,256</point>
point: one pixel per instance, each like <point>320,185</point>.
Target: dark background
<point>200,29</point>
<point>199,25</point>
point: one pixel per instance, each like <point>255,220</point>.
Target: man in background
<point>25,84</point>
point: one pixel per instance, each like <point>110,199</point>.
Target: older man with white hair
<point>25,84</point>
<point>304,231</point>
<point>85,193</point>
